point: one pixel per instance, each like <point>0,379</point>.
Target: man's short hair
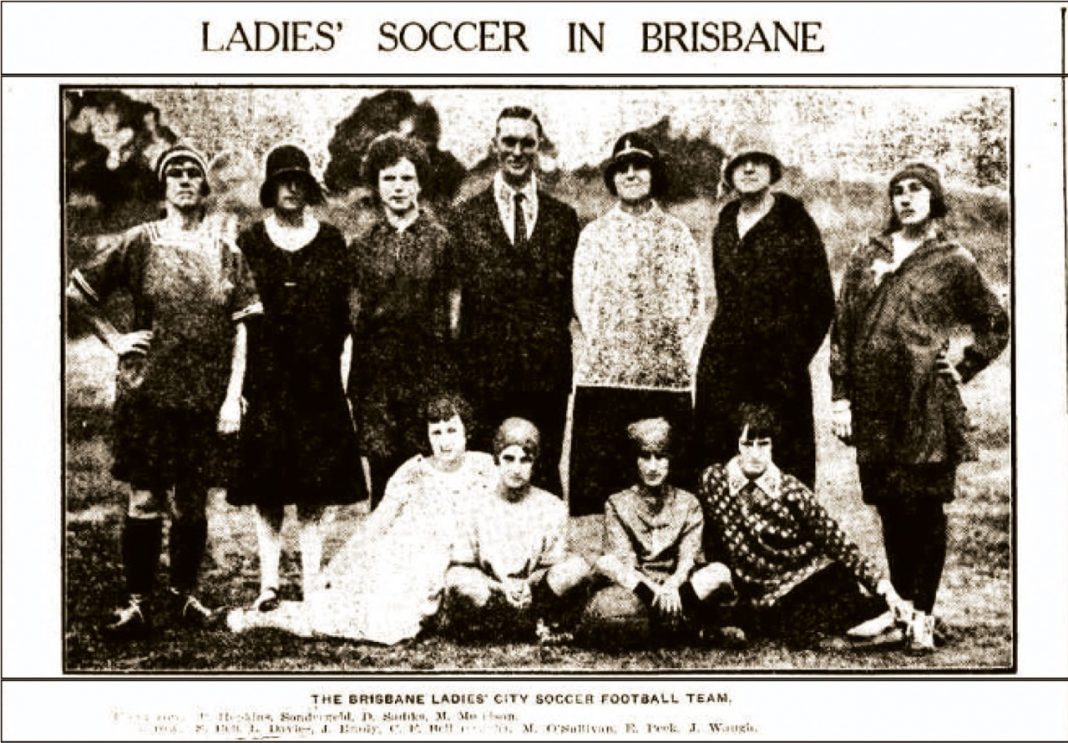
<point>521,112</point>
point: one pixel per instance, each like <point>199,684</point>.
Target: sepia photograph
<point>537,379</point>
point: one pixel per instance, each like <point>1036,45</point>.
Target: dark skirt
<point>602,460</point>
<point>157,448</point>
<point>723,386</point>
<point>298,449</point>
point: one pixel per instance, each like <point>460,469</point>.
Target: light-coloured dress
<point>390,575</point>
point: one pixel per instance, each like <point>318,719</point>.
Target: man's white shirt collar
<point>504,194</point>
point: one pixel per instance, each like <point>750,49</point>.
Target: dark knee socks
<point>914,535</point>
<point>188,540</point>
<point>141,542</point>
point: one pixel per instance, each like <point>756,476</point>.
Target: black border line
<point>511,76</point>
<point>564,674</point>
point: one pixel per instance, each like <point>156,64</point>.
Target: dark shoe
<point>548,635</point>
<point>190,611</point>
<point>129,621</point>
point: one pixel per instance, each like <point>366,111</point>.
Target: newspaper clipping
<point>598,370</point>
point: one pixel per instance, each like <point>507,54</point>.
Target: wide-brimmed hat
<point>636,147</point>
<point>288,161</point>
<point>750,146</point>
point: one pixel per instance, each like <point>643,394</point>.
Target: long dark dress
<point>297,441</point>
<point>775,302</point>
<point>399,354</point>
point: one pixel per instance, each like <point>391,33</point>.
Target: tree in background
<point>111,142</point>
<point>391,111</point>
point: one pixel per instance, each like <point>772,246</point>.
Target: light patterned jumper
<point>507,539</point>
<point>772,533</point>
<point>640,300</point>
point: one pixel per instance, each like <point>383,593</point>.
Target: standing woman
<point>399,305</point>
<point>181,366</point>
<point>774,303</point>
<point>298,444</point>
<point>640,304</point>
<point>896,393</point>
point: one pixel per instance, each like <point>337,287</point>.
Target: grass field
<point>975,600</point>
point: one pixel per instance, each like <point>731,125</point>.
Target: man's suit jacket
<point>516,304</point>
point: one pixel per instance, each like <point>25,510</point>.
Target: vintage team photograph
<point>543,379</point>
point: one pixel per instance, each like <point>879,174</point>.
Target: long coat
<point>775,302</point>
<point>891,325</point>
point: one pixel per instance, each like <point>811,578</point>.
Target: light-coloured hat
<point>651,435</point>
<point>517,432</point>
<point>750,144</point>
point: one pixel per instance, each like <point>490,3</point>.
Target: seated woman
<point>652,552</point>
<point>795,571</point>
<point>511,571</point>
<point>389,577</point>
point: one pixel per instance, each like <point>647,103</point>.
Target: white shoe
<point>921,633</point>
<point>872,628</point>
<point>236,620</point>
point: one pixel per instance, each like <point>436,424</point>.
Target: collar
<point>504,192</point>
<point>883,242</point>
<point>770,482</point>
<point>653,213</point>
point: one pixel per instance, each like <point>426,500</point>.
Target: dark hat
<point>751,146</point>
<point>517,432</point>
<point>929,177</point>
<point>635,147</point>
<point>288,160</point>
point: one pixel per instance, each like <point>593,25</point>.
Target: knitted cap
<point>925,174</point>
<point>180,151</point>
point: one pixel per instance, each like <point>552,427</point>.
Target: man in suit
<point>513,248</point>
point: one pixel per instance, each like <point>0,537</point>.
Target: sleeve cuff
<point>79,281</point>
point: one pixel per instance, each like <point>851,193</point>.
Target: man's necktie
<point>519,235</point>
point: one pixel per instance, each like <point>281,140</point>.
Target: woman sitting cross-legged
<point>652,554</point>
<point>511,575</point>
<point>795,570</point>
